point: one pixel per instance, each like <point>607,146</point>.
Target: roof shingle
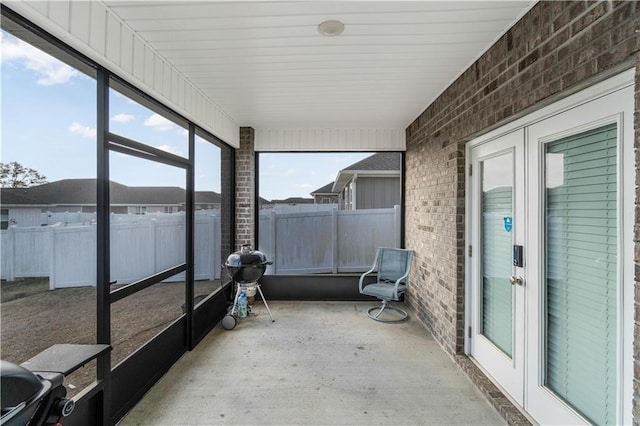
<point>83,192</point>
<point>379,161</point>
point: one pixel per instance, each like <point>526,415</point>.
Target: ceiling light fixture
<point>331,28</point>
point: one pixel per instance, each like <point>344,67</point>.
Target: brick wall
<point>227,202</point>
<point>245,188</point>
<point>556,49</point>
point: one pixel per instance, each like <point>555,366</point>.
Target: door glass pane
<point>497,223</point>
<point>581,239</point>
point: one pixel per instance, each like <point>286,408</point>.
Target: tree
<point>15,175</point>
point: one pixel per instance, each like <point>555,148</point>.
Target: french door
<point>498,217</point>
<point>551,263</point>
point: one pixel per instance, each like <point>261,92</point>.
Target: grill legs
<point>265,303</point>
<point>235,300</point>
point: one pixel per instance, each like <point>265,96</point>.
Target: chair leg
<point>386,305</point>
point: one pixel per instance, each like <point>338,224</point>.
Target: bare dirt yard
<point>32,318</point>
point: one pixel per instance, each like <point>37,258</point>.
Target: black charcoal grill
<point>245,267</point>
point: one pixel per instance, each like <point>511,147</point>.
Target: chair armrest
<point>397,284</point>
<point>373,268</point>
<point>363,276</point>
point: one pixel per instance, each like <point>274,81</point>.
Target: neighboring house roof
<point>150,195</point>
<point>207,197</point>
<point>77,192</point>
<point>66,191</point>
<point>16,196</point>
<point>380,164</point>
<point>294,200</point>
<point>379,161</point>
<point>325,190</point>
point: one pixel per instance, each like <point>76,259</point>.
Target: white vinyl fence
<point>140,246</point>
<point>326,241</point>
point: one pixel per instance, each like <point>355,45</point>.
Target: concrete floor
<point>319,363</point>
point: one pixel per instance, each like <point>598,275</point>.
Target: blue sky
<point>48,124</point>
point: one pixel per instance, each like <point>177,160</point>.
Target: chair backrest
<point>393,263</point>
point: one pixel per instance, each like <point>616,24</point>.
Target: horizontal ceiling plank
<point>309,73</point>
<point>313,42</point>
<point>185,31</point>
<point>232,11</point>
<point>369,83</point>
<point>430,59</point>
<point>215,70</point>
<point>319,51</point>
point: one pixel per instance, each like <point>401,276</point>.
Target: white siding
<point>79,25</point>
<point>25,216</point>
<point>329,140</point>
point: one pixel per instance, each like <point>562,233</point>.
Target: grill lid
<point>18,385</point>
<point>246,256</point>
<point>247,265</point>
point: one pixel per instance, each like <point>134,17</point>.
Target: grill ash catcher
<point>245,267</point>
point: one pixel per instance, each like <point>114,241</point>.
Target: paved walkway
<point>320,363</point>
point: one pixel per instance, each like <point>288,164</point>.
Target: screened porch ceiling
<point>267,66</point>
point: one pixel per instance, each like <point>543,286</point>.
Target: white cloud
<point>170,149</point>
<point>84,131</point>
<point>123,118</point>
<point>159,123</point>
<point>289,173</point>
<point>183,132</point>
<point>50,70</point>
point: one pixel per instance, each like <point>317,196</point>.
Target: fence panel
<point>360,233</point>
<point>207,255</point>
<point>32,248</point>
<point>169,240</point>
<point>266,237</point>
<point>303,243</point>
<point>132,251</point>
<point>73,256</point>
<point>6,255</point>
<point>326,241</point>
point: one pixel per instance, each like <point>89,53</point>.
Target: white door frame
<point>508,370</point>
<point>619,82</point>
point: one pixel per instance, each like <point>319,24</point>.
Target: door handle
<point>516,279</point>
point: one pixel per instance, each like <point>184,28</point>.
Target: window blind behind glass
<point>497,292</point>
<point>581,280</point>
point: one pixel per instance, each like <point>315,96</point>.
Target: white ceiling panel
<point>267,66</point>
